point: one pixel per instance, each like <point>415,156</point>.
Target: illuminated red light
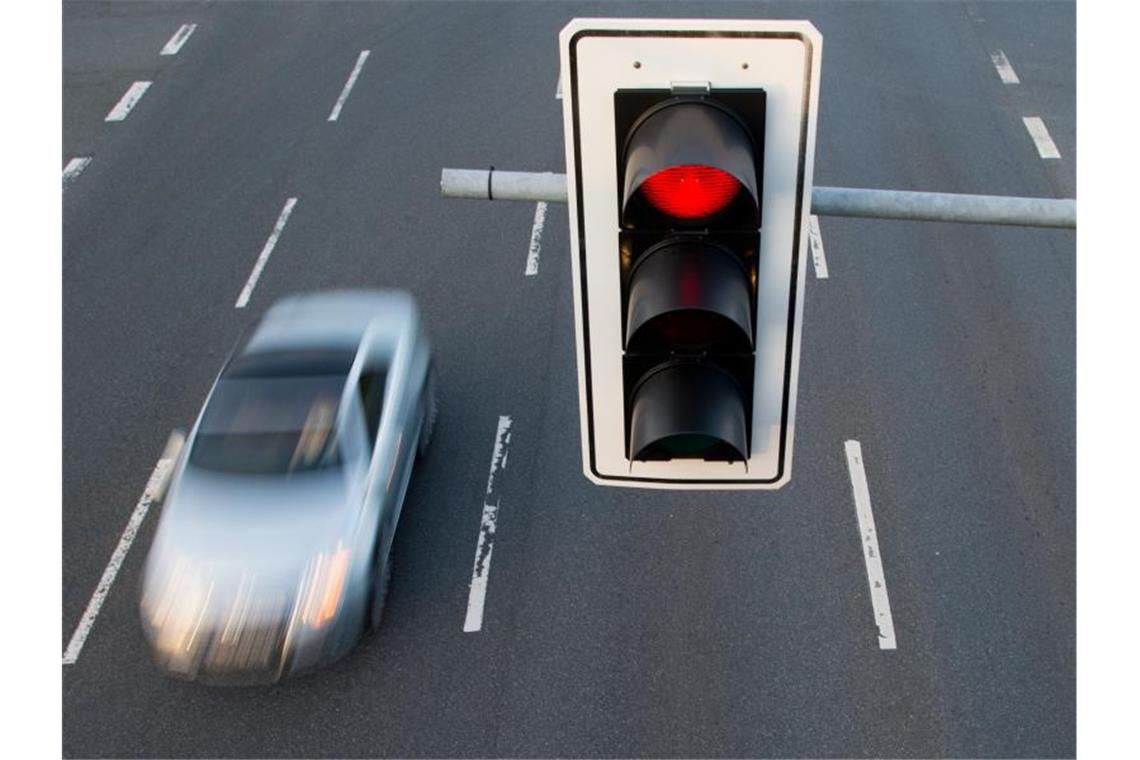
<point>691,191</point>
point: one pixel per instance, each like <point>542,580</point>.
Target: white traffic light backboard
<point>602,57</point>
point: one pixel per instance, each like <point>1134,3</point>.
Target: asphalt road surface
<point>617,622</point>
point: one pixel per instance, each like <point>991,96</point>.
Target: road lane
<point>1042,48</point>
<point>350,252</point>
<point>159,237</point>
<point>106,47</point>
<point>963,339</point>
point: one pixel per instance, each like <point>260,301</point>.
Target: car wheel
<point>431,411</point>
<point>378,596</point>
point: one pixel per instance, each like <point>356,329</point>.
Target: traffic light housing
<point>688,223</point>
<point>688,169</point>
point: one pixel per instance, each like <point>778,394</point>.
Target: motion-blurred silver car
<point>271,555</point>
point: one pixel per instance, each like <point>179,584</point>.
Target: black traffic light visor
<point>688,295</point>
<point>689,132</point>
<point>683,410</point>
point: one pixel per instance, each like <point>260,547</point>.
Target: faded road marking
<point>817,255</point>
<point>74,168</point>
<point>535,239</point>
<point>870,542</point>
<point>1004,70</point>
<point>479,574</point>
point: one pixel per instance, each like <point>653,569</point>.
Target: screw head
<point>637,64</point>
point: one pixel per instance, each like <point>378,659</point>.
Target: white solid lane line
<point>477,596</point>
<point>74,168</point>
<point>267,249</point>
<point>818,258</point>
<point>870,541</point>
<point>132,96</point>
<point>1046,148</point>
<point>558,90</point>
<point>1004,70</point>
<point>179,39</point>
<point>348,85</point>
<point>154,491</point>
<point>535,239</point>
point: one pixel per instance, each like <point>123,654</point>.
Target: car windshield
<point>270,425</point>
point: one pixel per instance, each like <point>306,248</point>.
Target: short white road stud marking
<point>129,100</point>
<point>535,239</point>
<point>154,491</point>
<point>817,255</point>
<point>179,39</point>
<point>74,168</point>
<point>1004,70</point>
<point>247,291</point>
<point>1045,145</point>
<point>349,84</point>
<point>482,570</point>
<point>870,541</point>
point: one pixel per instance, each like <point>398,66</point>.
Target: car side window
<point>353,438</point>
<point>372,399</point>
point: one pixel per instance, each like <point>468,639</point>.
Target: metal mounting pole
<point>492,184</point>
<point>486,184</point>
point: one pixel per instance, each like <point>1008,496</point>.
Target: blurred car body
<point>271,554</point>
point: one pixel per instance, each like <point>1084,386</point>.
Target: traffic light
<point>689,154</point>
<point>688,167</point>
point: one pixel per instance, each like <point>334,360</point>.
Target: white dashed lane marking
<point>154,491</point>
<point>1046,148</point>
<point>74,168</point>
<point>129,100</point>
<point>817,255</point>
<point>870,544</point>
<point>480,574</point>
<point>1004,70</point>
<point>179,39</point>
<point>535,239</point>
<point>349,84</point>
<point>267,249</point>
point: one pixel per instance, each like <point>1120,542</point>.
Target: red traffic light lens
<point>691,191</point>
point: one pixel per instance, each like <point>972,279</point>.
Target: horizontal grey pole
<point>484,184</point>
<point>944,207</point>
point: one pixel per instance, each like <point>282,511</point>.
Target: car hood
<point>232,534</point>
